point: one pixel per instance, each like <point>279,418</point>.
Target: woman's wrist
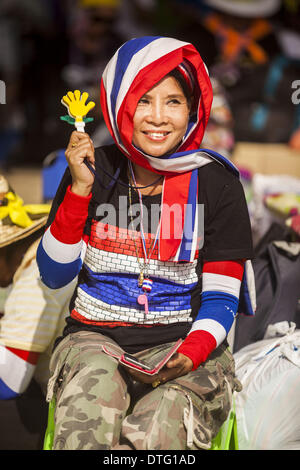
<point>81,189</point>
<point>197,346</point>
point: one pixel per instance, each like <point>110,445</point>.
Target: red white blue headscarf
<point>134,69</point>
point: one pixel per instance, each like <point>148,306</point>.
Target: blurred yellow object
<point>18,213</point>
<point>75,102</point>
<point>284,204</point>
<point>99,3</point>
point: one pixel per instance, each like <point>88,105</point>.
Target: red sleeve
<point>70,218</point>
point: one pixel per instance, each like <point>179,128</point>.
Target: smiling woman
<point>139,291</point>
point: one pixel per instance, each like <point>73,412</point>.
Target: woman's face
<point>161,118</point>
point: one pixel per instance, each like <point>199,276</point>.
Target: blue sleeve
<point>54,274</point>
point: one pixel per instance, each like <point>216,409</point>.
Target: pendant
<point>147,285</point>
<point>141,279</point>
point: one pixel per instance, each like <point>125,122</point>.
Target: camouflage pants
<point>99,405</point>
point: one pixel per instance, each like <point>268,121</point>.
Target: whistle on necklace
<point>143,300</point>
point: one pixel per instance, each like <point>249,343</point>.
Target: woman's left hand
<point>176,367</point>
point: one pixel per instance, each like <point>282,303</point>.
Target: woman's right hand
<point>80,147</point>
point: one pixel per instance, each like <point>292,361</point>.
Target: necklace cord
<point>143,267</point>
<point>115,178</point>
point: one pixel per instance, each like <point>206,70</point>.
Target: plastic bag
<point>268,407</point>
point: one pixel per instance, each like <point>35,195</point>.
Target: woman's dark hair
<point>183,85</point>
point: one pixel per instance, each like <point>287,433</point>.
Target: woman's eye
<point>174,101</point>
<point>143,101</point>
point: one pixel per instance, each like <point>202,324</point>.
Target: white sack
<point>268,407</point>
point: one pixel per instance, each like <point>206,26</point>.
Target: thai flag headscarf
<point>134,69</point>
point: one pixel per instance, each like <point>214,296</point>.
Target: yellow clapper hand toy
<point>77,110</point>
<point>75,102</point>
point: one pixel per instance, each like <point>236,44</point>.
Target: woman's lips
<point>156,135</point>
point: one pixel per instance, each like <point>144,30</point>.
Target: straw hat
<point>246,8</point>
<point>18,221</point>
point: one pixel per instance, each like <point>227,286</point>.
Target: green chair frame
<point>227,437</point>
<point>49,435</point>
